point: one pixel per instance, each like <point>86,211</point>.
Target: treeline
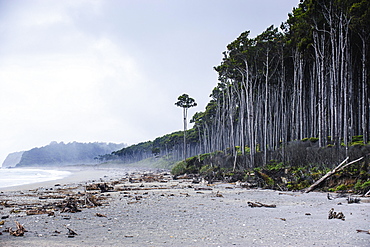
<point>59,154</point>
<point>169,146</point>
<point>309,80</point>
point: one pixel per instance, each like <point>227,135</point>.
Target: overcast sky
<point>111,70</point>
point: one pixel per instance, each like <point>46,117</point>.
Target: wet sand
<point>155,210</point>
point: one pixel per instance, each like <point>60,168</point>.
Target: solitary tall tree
<point>185,102</point>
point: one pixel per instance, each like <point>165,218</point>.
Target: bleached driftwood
<point>367,193</point>
<point>259,204</point>
<point>340,167</point>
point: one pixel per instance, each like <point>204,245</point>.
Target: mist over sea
<point>20,176</point>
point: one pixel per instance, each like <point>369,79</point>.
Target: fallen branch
<point>340,167</point>
<point>37,212</point>
<point>100,215</point>
<point>71,233</point>
<point>368,232</point>
<point>353,200</point>
<point>202,188</point>
<point>367,193</point>
<point>259,205</point>
<point>283,219</point>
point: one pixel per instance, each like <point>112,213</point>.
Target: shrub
<point>362,187</point>
<point>206,169</point>
<point>341,187</point>
<point>274,165</point>
<point>268,180</point>
<point>358,138</point>
<point>179,168</point>
<point>313,139</point>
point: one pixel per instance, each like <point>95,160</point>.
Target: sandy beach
<point>146,208</point>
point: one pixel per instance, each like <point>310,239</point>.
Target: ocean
<point>18,176</point>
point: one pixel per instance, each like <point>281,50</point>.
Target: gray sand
<point>179,213</point>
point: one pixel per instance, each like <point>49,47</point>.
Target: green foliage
<point>358,138</point>
<point>179,168</point>
<point>161,146</point>
<point>357,144</point>
<point>298,185</point>
<point>274,165</point>
<point>191,165</point>
<point>133,149</point>
<point>200,164</point>
<point>267,179</point>
<point>361,186</point>
<point>277,174</point>
<point>206,169</point>
<point>169,140</point>
<point>357,141</point>
<point>156,151</point>
<point>185,101</point>
<point>204,157</point>
<point>313,139</point>
<point>341,187</point>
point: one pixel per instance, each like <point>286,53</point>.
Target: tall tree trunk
<point>185,128</point>
<point>283,112</point>
<point>265,133</point>
<point>365,107</point>
<point>319,46</point>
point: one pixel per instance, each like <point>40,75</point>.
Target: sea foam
<point>20,176</point>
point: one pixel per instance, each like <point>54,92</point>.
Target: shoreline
<point>147,208</point>
<point>78,174</point>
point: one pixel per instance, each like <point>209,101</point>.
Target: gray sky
<point>111,70</point>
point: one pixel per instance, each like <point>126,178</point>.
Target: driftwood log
<point>340,167</point>
<point>259,205</point>
<point>367,193</point>
<point>368,232</point>
<point>202,188</point>
<point>37,212</point>
<point>100,215</point>
<point>71,233</point>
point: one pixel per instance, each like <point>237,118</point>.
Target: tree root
<point>19,232</point>
<point>335,215</point>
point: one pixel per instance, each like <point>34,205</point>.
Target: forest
<point>60,154</point>
<point>310,81</point>
<point>294,96</point>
